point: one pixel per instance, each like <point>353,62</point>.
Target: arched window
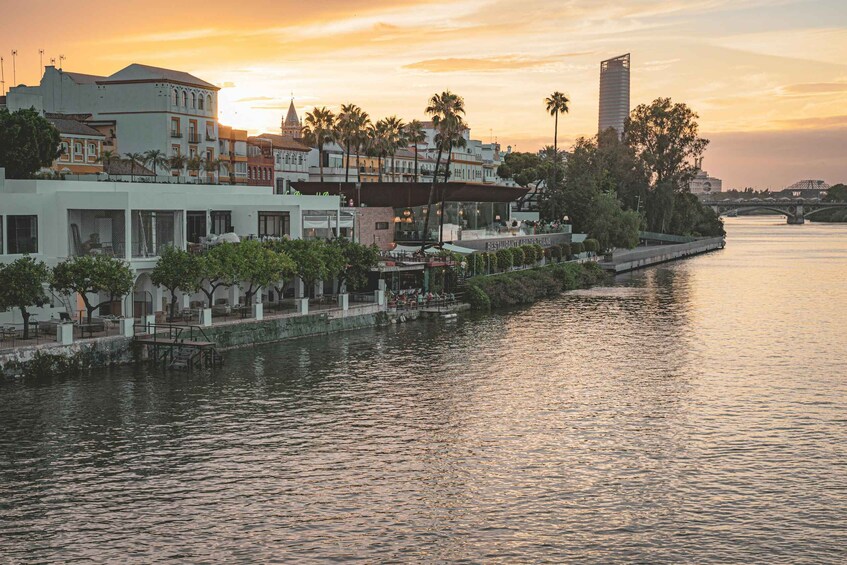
<point>175,97</point>
<point>287,159</point>
<point>209,102</point>
<point>301,159</point>
<point>193,100</point>
<point>200,102</point>
<point>184,99</point>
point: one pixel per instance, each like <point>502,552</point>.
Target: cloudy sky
<point>768,78</point>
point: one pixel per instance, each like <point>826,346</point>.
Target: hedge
<point>525,287</point>
<point>518,256</point>
<point>592,245</point>
<point>504,259</point>
<point>577,248</point>
<point>566,251</point>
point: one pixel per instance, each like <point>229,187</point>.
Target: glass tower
<point>614,93</point>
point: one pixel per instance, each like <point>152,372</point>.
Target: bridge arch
<point>823,209</point>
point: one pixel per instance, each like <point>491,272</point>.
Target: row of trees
<point>157,160</point>
<point>250,265</point>
<point>612,186</point>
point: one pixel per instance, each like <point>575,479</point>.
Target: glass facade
<point>470,220</point>
<point>153,230</point>
<point>95,232</point>
<point>22,234</point>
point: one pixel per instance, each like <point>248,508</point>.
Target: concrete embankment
<point>640,257</point>
<point>55,359</point>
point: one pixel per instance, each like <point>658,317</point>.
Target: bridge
<point>796,210</point>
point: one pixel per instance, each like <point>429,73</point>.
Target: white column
<point>65,334</point>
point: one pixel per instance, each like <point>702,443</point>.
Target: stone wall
<point>86,354</point>
<point>368,218</point>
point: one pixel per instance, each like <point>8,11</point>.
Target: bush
<point>554,252</point>
<point>504,259</point>
<point>478,299</point>
<point>524,287</point>
<point>476,263</point>
<point>577,248</point>
<point>518,256</point>
<point>539,251</point>
<point>566,251</point>
<point>592,245</point>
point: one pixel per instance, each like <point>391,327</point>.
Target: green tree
<point>523,168</point>
<point>177,163</point>
<point>394,139</point>
<point>27,143</point>
<point>351,126</point>
<point>177,270</point>
<point>93,274</point>
<point>260,266</point>
<point>22,285</point>
<point>219,267</point>
<point>666,137</point>
<point>357,261</point>
<point>107,157</point>
<point>415,135</point>
<point>194,164</point>
<point>836,193</point>
<point>308,258</point>
<point>556,103</point>
<point>319,131</point>
<point>610,224</point>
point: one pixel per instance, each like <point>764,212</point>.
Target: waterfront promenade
<point>625,260</point>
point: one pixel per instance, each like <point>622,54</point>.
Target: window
<point>175,128</point>
<point>184,99</point>
<point>22,234</point>
<point>382,225</point>
<point>175,97</point>
<point>221,222</point>
<point>274,224</point>
<point>209,102</point>
<point>193,100</point>
<point>65,156</point>
<point>200,102</point>
<point>92,149</point>
<point>196,224</point>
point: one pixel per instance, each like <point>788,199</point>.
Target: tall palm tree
<point>177,163</point>
<point>557,103</point>
<point>350,125</point>
<point>377,135</point>
<point>395,138</point>
<point>451,133</point>
<point>213,166</point>
<point>155,158</point>
<point>133,159</point>
<point>442,109</point>
<point>107,157</point>
<point>415,135</point>
<point>320,130</point>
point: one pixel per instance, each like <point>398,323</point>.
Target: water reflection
<point>692,412</point>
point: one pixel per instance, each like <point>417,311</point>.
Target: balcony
<point>210,137</point>
<point>194,138</point>
<point>176,134</point>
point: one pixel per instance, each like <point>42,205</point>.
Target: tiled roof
<point>282,142</point>
<point>137,72</point>
<point>73,127</point>
<point>124,167</point>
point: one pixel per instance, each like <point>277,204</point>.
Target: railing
<point>11,335</point>
<point>211,137</point>
<point>193,138</point>
<point>176,134</point>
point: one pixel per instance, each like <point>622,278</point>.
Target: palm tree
<point>350,125</point>
<point>394,139</point>
<point>320,130</point>
<point>155,158</point>
<point>177,162</point>
<point>107,157</point>
<point>194,164</point>
<point>415,135</point>
<point>442,108</point>
<point>377,134</point>
<point>451,134</point>
<point>557,103</point>
<point>134,159</point>
<point>213,166</point>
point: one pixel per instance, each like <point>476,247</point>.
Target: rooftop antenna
<point>61,58</point>
<point>53,61</point>
<point>14,72</point>
<point>40,61</point>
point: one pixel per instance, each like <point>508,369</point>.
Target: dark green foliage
<point>93,274</point>
<point>175,270</point>
<point>592,245</point>
<point>518,256</point>
<point>491,262</point>
<point>567,252</point>
<point>356,261</point>
<point>504,259</point>
<point>22,285</point>
<point>525,287</point>
<point>577,247</point>
<point>555,251</point>
<point>27,143</point>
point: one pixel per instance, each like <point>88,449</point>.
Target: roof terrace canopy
<point>408,194</point>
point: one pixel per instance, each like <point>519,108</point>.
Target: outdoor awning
<point>403,194</point>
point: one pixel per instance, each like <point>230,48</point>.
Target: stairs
<point>184,359</point>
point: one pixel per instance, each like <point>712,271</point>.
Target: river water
<point>694,412</point>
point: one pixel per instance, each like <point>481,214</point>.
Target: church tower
<point>291,126</point>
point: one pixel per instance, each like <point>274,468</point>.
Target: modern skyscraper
<point>614,93</point>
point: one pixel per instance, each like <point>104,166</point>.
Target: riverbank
<point>528,286</point>
<point>630,259</point>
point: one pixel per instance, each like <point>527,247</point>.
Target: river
<point>694,412</point>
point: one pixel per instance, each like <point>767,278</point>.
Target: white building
<point>54,220</point>
<point>702,183</point>
<point>152,108</point>
<point>291,159</point>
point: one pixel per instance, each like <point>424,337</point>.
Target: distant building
<point>702,183</point>
<point>292,126</point>
<point>80,147</point>
<point>614,93</point>
<point>807,188</point>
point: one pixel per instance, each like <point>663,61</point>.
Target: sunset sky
<point>768,78</point>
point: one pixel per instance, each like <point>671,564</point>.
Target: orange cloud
<point>491,64</point>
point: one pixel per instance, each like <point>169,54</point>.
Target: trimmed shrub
<point>477,298</point>
<point>505,259</point>
<point>530,258</point>
<point>476,263</point>
<point>554,252</point>
<point>539,251</point>
<point>567,252</point>
<point>518,256</point>
<point>577,248</point>
<point>491,262</point>
<point>592,245</point>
